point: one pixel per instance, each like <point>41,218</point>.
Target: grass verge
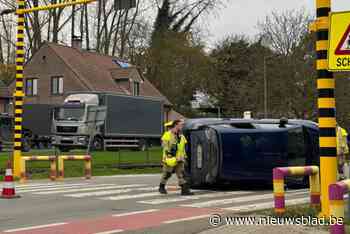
<point>103,163</point>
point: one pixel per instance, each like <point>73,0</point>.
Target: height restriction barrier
<point>336,205</point>
<point>51,159</point>
<point>85,158</point>
<point>278,184</point>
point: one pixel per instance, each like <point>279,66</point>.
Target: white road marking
<point>126,197</point>
<point>35,227</point>
<point>111,231</point>
<point>194,197</point>
<point>32,185</point>
<point>129,176</point>
<point>39,188</point>
<point>135,212</point>
<point>265,205</point>
<point>142,195</point>
<point>109,192</point>
<point>236,200</point>
<point>186,219</point>
<point>53,189</point>
<point>92,188</point>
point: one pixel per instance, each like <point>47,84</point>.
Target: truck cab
<point>71,125</point>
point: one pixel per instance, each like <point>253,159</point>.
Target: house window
<point>31,87</point>
<point>136,88</point>
<point>57,85</point>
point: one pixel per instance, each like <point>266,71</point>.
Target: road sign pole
<point>326,106</point>
<point>19,94</point>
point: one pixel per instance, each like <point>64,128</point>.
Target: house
<point>56,70</point>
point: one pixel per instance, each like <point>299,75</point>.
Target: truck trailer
<point>130,121</point>
<point>36,127</point>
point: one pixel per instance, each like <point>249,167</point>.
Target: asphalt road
<point>127,204</point>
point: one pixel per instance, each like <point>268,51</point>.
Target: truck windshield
<point>70,113</point>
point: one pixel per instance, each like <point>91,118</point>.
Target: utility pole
<point>19,94</point>
<point>326,106</point>
<point>265,89</point>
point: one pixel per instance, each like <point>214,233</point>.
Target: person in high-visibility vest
<point>174,156</point>
<point>342,150</point>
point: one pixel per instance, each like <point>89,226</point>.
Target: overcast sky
<point>241,16</point>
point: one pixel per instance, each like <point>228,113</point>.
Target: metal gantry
<point>19,90</point>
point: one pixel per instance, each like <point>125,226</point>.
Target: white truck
<point>130,121</point>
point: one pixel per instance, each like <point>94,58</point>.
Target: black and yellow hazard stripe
<point>19,91</point>
<point>326,105</point>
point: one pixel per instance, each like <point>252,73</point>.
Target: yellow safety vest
<point>342,142</point>
<point>168,140</point>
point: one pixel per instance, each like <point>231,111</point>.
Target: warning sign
<point>339,42</point>
<point>344,44</point>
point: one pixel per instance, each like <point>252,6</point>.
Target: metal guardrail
<point>278,184</point>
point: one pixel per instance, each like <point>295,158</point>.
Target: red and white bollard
<point>8,190</point>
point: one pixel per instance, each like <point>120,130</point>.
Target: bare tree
<point>181,15</point>
<point>284,31</point>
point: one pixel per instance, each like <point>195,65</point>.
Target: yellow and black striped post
<point>326,106</point>
<point>19,94</point>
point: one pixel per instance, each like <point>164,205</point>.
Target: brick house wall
<point>44,65</point>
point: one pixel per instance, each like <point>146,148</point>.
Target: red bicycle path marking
<point>126,223</point>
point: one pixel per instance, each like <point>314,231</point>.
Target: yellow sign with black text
<point>339,42</point>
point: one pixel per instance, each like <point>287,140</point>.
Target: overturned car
<point>236,150</point>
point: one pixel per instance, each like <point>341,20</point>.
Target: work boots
<point>185,190</point>
<point>162,189</point>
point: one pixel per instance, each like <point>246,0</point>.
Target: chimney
<point>77,42</point>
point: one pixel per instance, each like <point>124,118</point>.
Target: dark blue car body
<point>231,150</point>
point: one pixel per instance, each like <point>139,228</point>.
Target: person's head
<point>177,126</point>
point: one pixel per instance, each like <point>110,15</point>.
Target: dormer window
<point>136,88</point>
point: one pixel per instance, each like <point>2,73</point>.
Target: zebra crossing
<point>148,195</point>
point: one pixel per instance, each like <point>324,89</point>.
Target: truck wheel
<point>97,144</point>
<point>143,145</point>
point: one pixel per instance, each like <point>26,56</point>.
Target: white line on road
<point>135,212</point>
<point>142,195</point>
<point>109,192</point>
<point>111,231</point>
<point>33,188</point>
<point>126,197</point>
<point>32,185</point>
<point>195,197</point>
<point>92,188</point>
<point>34,227</point>
<point>186,219</point>
<point>236,200</point>
<point>128,176</point>
<point>53,189</point>
<point>265,205</point>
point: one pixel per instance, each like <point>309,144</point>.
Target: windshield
<point>69,113</point>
